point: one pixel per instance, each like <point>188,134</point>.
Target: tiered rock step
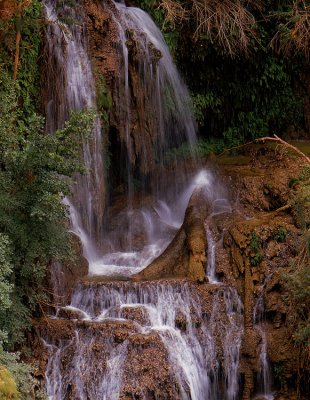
<point>107,340</point>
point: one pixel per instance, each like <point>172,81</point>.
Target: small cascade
<point>56,282</point>
<point>232,343</point>
<point>77,379</point>
<point>231,331</point>
<point>174,312</point>
<point>211,273</point>
<point>264,378</point>
<point>220,205</point>
<point>70,86</point>
<point>155,224</point>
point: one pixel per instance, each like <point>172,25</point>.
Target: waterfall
<point>77,378</point>
<point>231,335</point>
<point>152,114</point>
<point>173,311</point>
<point>168,98</point>
<point>211,273</point>
<point>94,342</point>
<point>70,86</point>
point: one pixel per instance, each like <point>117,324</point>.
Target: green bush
<point>255,246</point>
<point>280,234</point>
<point>35,171</point>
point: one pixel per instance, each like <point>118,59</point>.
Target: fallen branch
<point>273,139</point>
<point>278,210</point>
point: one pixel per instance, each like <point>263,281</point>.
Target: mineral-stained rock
<point>147,372</point>
<point>137,314</point>
<point>250,342</point>
<point>185,255</point>
<point>69,313</point>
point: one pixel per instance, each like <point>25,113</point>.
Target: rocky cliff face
<point>148,105</point>
<point>107,54</point>
<point>262,244</point>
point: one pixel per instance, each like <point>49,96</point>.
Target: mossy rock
<point>8,388</point>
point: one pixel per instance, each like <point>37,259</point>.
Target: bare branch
<point>174,11</point>
<point>273,139</point>
<point>229,23</point>
<point>293,34</point>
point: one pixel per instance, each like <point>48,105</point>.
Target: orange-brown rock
<point>185,255</point>
<point>148,373</point>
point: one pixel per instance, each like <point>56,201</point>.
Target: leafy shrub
<point>35,171</point>
<point>255,246</point>
<point>280,234</point>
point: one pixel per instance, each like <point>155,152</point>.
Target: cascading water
<point>173,311</point>
<point>168,98</point>
<point>155,114</point>
<point>264,378</point>
<point>70,87</point>
<point>211,256</point>
<point>89,358</point>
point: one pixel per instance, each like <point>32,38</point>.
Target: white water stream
<point>74,90</point>
<point>168,96</point>
<point>264,377</point>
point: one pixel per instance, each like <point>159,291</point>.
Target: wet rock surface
<point>148,365</point>
<point>185,255</point>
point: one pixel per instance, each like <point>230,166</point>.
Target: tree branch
<point>273,139</point>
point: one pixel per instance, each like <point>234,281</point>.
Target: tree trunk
<point>16,62</point>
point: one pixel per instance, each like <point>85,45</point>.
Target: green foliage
<point>255,246</point>
<point>104,98</point>
<point>279,375</point>
<point>293,182</point>
<point>256,259</point>
<point>280,234</point>
<point>179,153</point>
<point>20,374</point>
<point>151,6</point>
<point>5,272</point>
<point>209,146</point>
<point>6,290</point>
<point>21,377</point>
<point>203,148</point>
<point>35,171</point>
<point>104,104</point>
<point>201,102</point>
<point>301,200</point>
<point>243,98</point>
<point>298,282</point>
